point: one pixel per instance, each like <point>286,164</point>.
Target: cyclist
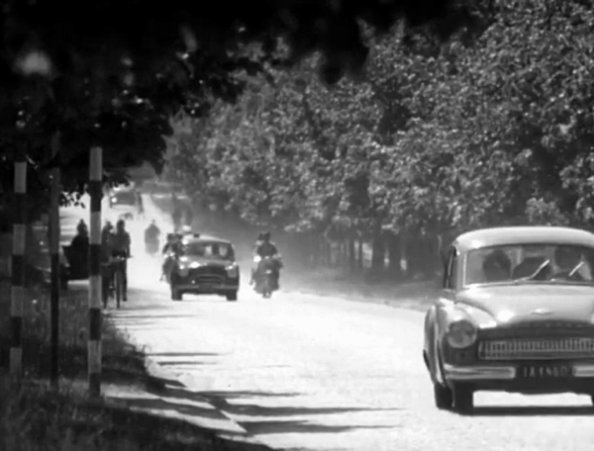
<point>120,247</point>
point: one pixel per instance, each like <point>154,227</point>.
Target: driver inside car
<point>534,257</point>
<point>570,265</point>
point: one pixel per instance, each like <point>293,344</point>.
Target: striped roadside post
<point>54,244</point>
<point>94,345</point>
<point>17,294</point>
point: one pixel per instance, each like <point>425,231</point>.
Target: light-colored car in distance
<point>515,313</point>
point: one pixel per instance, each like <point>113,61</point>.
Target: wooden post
<point>54,245</point>
<point>18,267</point>
<point>94,346</point>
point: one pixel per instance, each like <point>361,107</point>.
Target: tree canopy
<point>490,131</point>
<point>112,73</point>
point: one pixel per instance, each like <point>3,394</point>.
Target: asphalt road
<point>320,373</point>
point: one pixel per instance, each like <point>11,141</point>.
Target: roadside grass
<point>37,417</point>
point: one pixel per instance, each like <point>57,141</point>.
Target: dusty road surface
<point>318,373</point>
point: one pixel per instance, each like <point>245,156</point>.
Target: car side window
<point>449,278</point>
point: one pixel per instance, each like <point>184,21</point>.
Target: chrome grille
<point>535,348</point>
<point>207,276</point>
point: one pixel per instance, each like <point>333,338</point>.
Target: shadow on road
<point>300,426</point>
<point>184,363</point>
<point>284,411</point>
<point>218,397</point>
<point>182,354</point>
<point>531,411</point>
<point>161,404</point>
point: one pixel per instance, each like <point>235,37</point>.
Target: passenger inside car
<point>497,266</point>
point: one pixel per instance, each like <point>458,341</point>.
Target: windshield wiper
<point>576,269</point>
<point>535,274</point>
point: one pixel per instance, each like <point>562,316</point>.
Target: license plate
<point>545,371</point>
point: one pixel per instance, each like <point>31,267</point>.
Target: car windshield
<point>524,263</point>
<point>215,250</point>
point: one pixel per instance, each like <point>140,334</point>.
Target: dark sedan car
<point>516,314</point>
<point>206,265</point>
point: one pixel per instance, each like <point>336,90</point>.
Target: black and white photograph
<point>297,225</point>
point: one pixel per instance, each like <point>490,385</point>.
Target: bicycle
<point>119,276</point>
<point>107,290</point>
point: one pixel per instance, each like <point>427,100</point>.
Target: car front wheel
<point>176,294</point>
<point>232,296</point>
<point>463,398</point>
<point>443,396</point>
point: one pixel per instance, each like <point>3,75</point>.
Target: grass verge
<point>35,417</point>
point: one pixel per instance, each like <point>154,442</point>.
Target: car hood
<point>203,261</point>
<point>529,303</point>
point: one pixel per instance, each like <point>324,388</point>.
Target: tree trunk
<point>352,255</point>
<point>378,253</point>
<point>394,256</point>
<point>360,258</point>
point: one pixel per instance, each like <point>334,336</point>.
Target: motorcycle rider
<point>259,241</point>
<point>266,248</point>
<point>121,247</point>
<point>151,237</point>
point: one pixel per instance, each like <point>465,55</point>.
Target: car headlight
<point>232,271</point>
<point>461,334</point>
<point>183,270</point>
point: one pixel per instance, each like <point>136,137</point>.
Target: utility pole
<point>94,346</point>
<point>18,266</point>
<point>54,245</point>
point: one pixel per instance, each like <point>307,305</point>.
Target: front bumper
<point>201,288</point>
<point>190,285</point>
<point>503,372</point>
<point>508,377</point>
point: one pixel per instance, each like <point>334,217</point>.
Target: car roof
<point>499,236</point>
<point>203,238</point>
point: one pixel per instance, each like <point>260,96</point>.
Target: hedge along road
<point>319,373</point>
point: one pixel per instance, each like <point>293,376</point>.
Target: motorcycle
<point>152,246</point>
<point>151,239</point>
<point>267,275</point>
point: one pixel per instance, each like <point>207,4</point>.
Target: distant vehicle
<point>205,265</point>
<point>125,202</point>
<point>516,314</point>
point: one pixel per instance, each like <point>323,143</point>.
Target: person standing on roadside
<point>121,244</point>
